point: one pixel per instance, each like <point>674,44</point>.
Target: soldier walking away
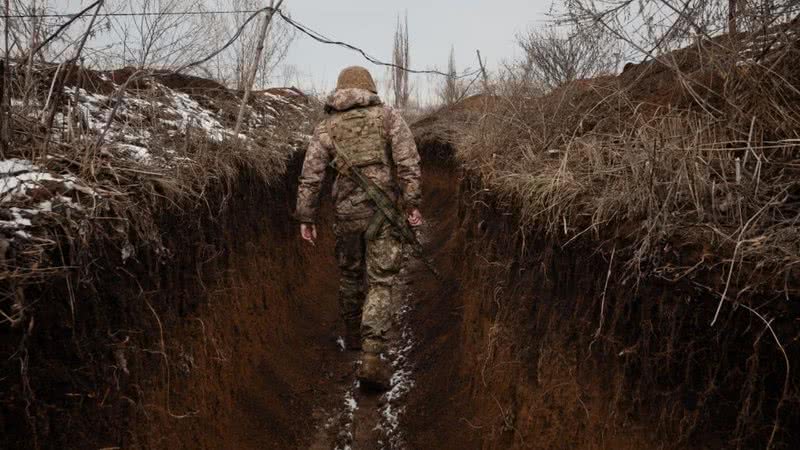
<point>371,147</point>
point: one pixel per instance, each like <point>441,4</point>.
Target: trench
<point>236,343</point>
<point>273,372</point>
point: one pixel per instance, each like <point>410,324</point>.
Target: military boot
<point>374,373</point>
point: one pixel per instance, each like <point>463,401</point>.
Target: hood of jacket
<point>344,99</point>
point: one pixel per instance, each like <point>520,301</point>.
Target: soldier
<point>368,248</point>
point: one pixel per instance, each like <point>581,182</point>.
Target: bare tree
<point>170,34</point>
<point>234,65</point>
<point>451,90</point>
<point>401,59</point>
<point>653,27</point>
<point>553,57</point>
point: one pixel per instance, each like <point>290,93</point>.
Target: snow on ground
<point>344,438</point>
<point>141,132</point>
<point>20,178</point>
<point>142,116</point>
<point>402,380</point>
<point>391,405</point>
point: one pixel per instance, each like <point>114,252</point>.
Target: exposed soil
<point>234,345</point>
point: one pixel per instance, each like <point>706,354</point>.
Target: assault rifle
<point>385,206</point>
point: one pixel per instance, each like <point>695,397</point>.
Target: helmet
<point>356,77</point>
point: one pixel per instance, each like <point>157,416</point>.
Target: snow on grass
<point>18,177</point>
<point>136,152</point>
<point>18,185</point>
<point>194,115</point>
<point>17,220</point>
<point>172,111</point>
<point>9,166</point>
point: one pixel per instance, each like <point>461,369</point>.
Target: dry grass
<point>608,158</point>
<point>123,197</point>
<point>685,170</point>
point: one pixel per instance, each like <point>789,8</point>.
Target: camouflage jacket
<point>400,178</point>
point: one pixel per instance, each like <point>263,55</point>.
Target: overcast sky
<point>434,26</point>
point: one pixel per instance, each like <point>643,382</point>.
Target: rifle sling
<point>379,198</point>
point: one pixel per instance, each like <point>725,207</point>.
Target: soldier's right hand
<point>308,231</point>
<point>414,217</point>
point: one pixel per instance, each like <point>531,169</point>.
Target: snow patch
<point>9,166</point>
<point>345,437</point>
<point>136,152</point>
<point>402,380</point>
<point>340,343</point>
<point>19,177</point>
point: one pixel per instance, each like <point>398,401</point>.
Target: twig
<point>5,95</point>
<point>163,352</point>
<point>483,72</point>
<point>605,289</point>
<point>50,93</point>
<point>64,26</point>
<point>776,425</point>
<point>230,42</point>
<point>739,243</point>
<point>29,66</point>
<point>117,102</point>
<point>70,67</point>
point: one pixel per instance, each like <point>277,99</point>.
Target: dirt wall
<point>218,343</point>
<point>543,344</point>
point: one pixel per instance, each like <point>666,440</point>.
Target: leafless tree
<point>652,27</point>
<point>401,59</point>
<point>451,89</point>
<point>555,56</point>
<point>26,30</point>
<point>233,65</point>
<point>171,33</point>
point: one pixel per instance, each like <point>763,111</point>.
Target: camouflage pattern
<point>366,302</point>
<point>356,77</point>
<point>369,267</point>
<point>400,179</point>
<point>360,134</point>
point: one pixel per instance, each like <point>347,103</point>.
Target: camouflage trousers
<point>369,269</point>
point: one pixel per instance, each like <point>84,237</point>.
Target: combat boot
<point>374,373</point>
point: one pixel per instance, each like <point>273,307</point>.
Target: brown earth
<point>239,352</point>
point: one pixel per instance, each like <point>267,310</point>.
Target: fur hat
<point>356,77</point>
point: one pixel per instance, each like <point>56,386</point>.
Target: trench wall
<point>218,345</point>
<point>513,353</point>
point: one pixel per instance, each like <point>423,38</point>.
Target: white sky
<point>434,26</point>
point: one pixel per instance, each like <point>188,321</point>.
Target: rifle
<point>385,206</point>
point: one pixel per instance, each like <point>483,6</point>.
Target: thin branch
<point>256,63</point>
